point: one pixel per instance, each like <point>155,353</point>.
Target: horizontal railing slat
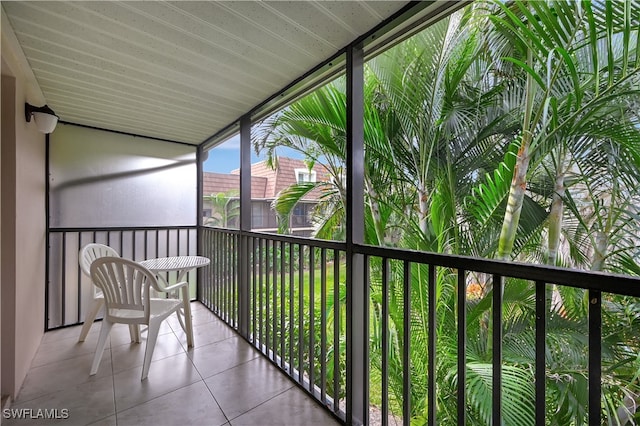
<point>589,280</point>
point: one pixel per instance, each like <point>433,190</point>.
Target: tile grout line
<point>231,368</point>
<point>263,402</point>
<point>228,421</point>
<point>19,400</point>
<point>173,329</point>
<point>152,361</point>
<point>165,394</point>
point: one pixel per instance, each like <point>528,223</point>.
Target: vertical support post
<point>385,341</point>
<point>462,347</point>
<point>323,326</point>
<point>431,395</point>
<point>312,325</point>
<point>357,290</point>
<point>595,357</point>
<point>406,345</point>
<point>63,281</point>
<point>497,350</point>
<point>48,232</point>
<point>200,157</point>
<point>245,225</point>
<point>79,281</point>
<point>541,332</point>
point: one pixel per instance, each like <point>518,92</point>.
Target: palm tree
<point>315,127</point>
<point>448,128</point>
<point>225,206</point>
<point>580,63</point>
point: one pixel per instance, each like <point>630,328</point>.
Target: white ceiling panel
<point>179,70</point>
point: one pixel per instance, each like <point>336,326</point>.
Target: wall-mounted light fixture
<point>44,117</point>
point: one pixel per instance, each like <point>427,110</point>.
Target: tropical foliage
<point>225,208</point>
<point>507,130</point>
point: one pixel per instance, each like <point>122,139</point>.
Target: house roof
<point>265,181</point>
<point>185,70</point>
<point>286,174</point>
<point>215,183</point>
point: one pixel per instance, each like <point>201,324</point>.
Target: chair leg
<point>102,341</point>
<point>152,336</point>
<point>90,318</point>
<point>134,332</point>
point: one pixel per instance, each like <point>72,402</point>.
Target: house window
<point>305,175</point>
<point>301,215</point>
<point>257,215</point>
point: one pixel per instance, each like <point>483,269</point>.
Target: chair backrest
<point>91,252</point>
<point>125,285</point>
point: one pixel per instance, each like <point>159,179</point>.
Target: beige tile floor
<point>221,381</point>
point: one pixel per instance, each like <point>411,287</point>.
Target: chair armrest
<point>172,287</point>
<point>176,286</point>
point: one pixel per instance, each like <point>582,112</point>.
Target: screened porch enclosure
<point>372,331</point>
<point>289,294</point>
<point>293,299</point>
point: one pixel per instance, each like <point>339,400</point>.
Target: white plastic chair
<point>87,255</point>
<point>126,286</point>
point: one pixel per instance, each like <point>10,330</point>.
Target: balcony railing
<point>283,314</point>
<point>295,310</point>
<point>68,292</point>
<point>288,297</point>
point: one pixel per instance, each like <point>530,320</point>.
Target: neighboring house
<point>266,184</point>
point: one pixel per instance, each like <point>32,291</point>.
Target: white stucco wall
<point>23,223</point>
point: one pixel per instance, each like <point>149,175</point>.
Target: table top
<point>174,263</point>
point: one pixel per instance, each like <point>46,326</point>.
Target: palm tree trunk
<point>600,251</point>
<point>519,180</point>
<point>375,213</point>
<point>555,217</point>
<point>601,243</point>
<point>514,203</point>
<point>555,230</point>
<point>424,209</point>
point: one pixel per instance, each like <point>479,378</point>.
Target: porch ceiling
<point>178,70</point>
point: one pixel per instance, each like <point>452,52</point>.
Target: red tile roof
<point>214,183</point>
<point>265,181</point>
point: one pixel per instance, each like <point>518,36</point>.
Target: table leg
<point>185,297</point>
<point>185,311</point>
<point>188,326</point>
